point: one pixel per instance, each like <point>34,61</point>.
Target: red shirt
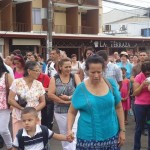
<point>44,79</point>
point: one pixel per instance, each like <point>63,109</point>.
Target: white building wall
<point>133,29</point>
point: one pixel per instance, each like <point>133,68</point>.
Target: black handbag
<point>21,101</point>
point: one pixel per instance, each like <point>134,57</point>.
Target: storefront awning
<point>26,42</point>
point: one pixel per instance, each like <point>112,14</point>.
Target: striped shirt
<point>35,142</point>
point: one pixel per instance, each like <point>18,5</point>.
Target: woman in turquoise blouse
<point>101,121</point>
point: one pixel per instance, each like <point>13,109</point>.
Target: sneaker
<point>130,113</point>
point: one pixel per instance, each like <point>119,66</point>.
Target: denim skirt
<point>108,144</point>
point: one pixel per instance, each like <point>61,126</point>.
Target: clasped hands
<point>70,136</point>
<point>64,97</point>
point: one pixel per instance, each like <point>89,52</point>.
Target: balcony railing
<point>20,27</point>
<point>15,26</point>
<point>74,30</point>
<point>85,2</point>
<point>65,1</point>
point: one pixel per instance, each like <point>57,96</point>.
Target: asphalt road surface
<point>56,145</point>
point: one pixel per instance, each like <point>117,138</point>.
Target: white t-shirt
<point>50,70</point>
<point>10,71</point>
<point>75,68</point>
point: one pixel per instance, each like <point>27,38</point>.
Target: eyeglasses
<point>35,70</point>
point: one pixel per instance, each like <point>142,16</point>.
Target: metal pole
<point>50,24</point>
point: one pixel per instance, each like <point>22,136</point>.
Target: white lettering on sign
<point>119,44</point>
<point>102,44</point>
<point>114,44</point>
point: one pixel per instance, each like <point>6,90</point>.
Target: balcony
<point>16,27</point>
<point>84,2</point>
<point>91,2</point>
<point>20,27</point>
<point>74,30</point>
<point>65,1</point>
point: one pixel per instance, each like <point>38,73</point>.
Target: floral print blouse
<point>3,104</point>
<point>31,94</point>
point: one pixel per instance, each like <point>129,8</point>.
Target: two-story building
<point>23,24</point>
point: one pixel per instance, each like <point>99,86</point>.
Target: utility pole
<point>49,30</point>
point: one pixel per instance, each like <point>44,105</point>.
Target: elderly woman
<point>60,91</point>
<point>28,88</point>
<point>5,82</point>
<point>101,122</point>
<point>142,103</point>
<point>125,63</point>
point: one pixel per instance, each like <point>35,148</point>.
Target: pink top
<point>18,75</point>
<point>144,97</point>
<point>3,104</point>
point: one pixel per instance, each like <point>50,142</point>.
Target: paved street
<point>56,145</point>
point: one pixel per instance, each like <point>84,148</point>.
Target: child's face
<point>123,73</point>
<point>29,121</point>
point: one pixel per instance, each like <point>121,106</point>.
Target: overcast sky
<point>109,6</point>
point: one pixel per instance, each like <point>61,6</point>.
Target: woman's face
<point>89,53</point>
<point>66,68</point>
<point>135,59</point>
<point>32,58</point>
<point>123,58</point>
<point>17,64</point>
<point>74,59</point>
<point>95,72</point>
<point>35,72</point>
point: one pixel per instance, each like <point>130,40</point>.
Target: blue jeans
<point>142,112</point>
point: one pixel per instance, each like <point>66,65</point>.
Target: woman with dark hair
<point>5,82</point>
<point>34,58</point>
<point>142,103</point>
<point>88,52</point>
<point>61,88</point>
<point>29,89</point>
<point>101,122</point>
<point>76,66</point>
<point>19,63</point>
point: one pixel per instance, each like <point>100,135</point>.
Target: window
<point>108,27</point>
<point>36,16</point>
<point>1,51</point>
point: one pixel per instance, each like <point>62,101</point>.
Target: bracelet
<point>123,130</point>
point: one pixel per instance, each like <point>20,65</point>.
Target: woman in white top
<point>76,66</point>
<point>29,89</point>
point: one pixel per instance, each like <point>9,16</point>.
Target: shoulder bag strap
<point>109,85</point>
<point>45,134</point>
<point>20,139</point>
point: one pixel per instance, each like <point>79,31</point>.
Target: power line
<point>125,4</point>
<point>126,11</point>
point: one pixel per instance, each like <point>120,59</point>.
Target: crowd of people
<point>90,99</point>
